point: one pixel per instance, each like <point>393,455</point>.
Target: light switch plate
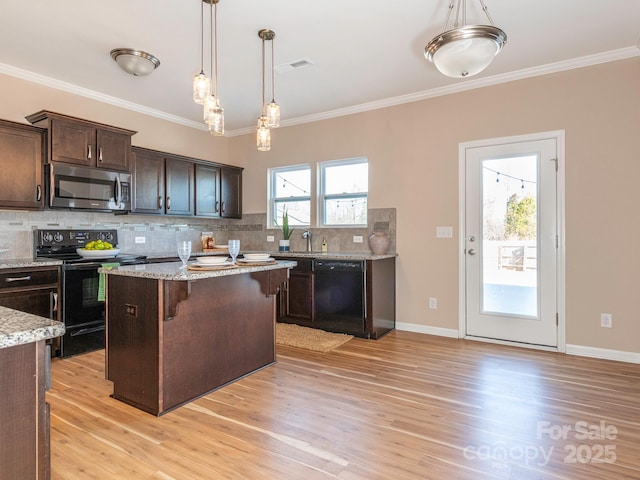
<point>444,232</point>
<point>141,239</point>
<point>271,238</point>
<point>357,239</point>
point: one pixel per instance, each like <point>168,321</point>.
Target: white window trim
<point>320,197</point>
<point>271,188</point>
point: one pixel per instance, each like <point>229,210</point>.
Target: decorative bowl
<point>213,260</point>
<point>83,252</point>
<point>256,256</point>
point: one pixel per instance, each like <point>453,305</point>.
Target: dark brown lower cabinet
<point>296,303</point>
<point>297,300</point>
<point>24,414</point>
<point>169,342</point>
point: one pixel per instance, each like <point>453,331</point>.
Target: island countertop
<point>173,271</point>
<point>18,328</point>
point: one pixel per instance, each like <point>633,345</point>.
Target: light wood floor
<point>407,406</point>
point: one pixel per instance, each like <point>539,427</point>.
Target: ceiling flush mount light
<point>135,62</point>
<point>465,50</point>
<point>213,112</point>
<point>269,118</point>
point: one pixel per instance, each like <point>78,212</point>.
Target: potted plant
<point>286,232</point>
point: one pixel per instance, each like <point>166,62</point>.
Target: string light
<point>521,180</point>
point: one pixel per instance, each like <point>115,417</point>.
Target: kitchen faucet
<point>307,234</point>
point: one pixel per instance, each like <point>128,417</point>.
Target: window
<point>344,185</point>
<point>290,189</point>
<point>339,200</point>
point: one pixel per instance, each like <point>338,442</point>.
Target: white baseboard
<point>579,350</point>
<point>441,332</point>
<point>605,353</point>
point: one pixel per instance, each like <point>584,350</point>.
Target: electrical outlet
<point>357,239</point>
<point>271,238</point>
<point>433,303</point>
<point>606,320</point>
<point>141,239</point>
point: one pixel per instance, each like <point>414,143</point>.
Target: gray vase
<point>379,243</point>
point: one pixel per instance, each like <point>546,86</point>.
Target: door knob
<point>471,251</point>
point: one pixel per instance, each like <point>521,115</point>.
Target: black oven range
<point>81,310</point>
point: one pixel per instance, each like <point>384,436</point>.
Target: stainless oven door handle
<point>118,193</point>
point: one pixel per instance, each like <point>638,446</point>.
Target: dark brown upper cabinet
<point>218,191</point>
<point>179,185</point>
<point>21,159</point>
<point>77,141</point>
<point>164,183</point>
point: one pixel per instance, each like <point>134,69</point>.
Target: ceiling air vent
<point>295,65</point>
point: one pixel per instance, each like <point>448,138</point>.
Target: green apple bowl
<point>83,252</point>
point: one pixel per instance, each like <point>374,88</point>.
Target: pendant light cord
<point>202,37</point>
<point>211,40</point>
<point>273,78</point>
<point>263,77</point>
<point>215,34</point>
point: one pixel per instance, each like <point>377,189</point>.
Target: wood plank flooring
<point>407,406</point>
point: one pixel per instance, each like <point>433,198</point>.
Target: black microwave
<point>87,188</point>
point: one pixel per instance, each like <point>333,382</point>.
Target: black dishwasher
<point>339,296</point>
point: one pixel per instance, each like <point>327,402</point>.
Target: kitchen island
<point>175,335</point>
<point>24,414</point>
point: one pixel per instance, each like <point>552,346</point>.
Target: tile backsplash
<point>161,232</point>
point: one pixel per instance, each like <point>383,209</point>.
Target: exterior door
<point>511,241</point>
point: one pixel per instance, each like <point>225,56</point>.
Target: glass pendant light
<point>214,115</point>
<point>263,137</point>
<point>263,134</point>
<point>201,83</point>
<point>273,109</point>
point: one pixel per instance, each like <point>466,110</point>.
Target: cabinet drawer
<point>27,278</point>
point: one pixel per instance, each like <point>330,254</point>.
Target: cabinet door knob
<point>159,202</point>
<point>217,209</point>
<point>100,154</point>
<point>89,153</point>
<point>38,193</point>
<point>168,203</point>
<point>222,204</point>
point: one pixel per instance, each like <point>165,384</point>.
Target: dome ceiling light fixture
<point>135,62</point>
<point>465,50</point>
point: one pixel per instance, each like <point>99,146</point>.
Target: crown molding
<point>92,94</point>
<point>556,67</point>
<point>473,84</point>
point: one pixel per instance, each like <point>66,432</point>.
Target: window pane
<point>299,212</point>
<point>346,179</point>
<point>510,260</point>
<point>292,183</point>
<point>345,211</point>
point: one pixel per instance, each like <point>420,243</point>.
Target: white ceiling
<point>365,53</point>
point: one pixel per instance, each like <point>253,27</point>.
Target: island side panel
<point>224,331</point>
<point>132,340</point>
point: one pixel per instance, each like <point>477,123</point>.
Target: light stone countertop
<point>326,255</point>
<point>27,262</point>
<point>335,255</point>
<point>18,328</point>
<point>172,271</point>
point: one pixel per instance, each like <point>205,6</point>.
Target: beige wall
<point>19,98</point>
<point>413,155</point>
